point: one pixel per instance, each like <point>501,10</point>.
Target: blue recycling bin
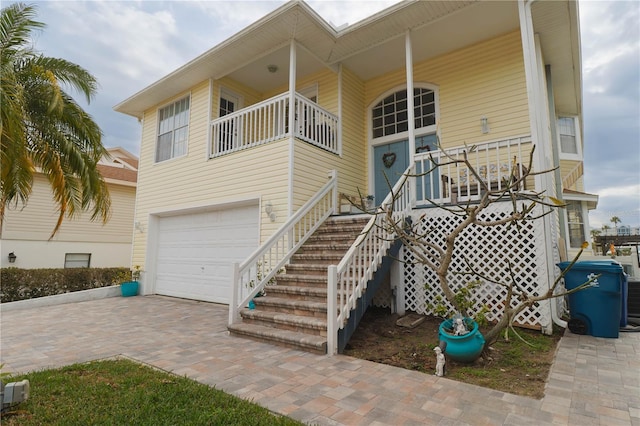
<point>599,310</point>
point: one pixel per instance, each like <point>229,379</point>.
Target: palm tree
<point>615,220</point>
<point>42,128</point>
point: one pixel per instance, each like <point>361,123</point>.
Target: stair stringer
<point>344,334</point>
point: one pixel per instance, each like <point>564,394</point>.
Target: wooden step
<point>298,292</point>
<point>292,306</point>
<point>333,237</point>
<point>328,247</point>
<point>318,259</point>
<point>306,269</point>
<point>304,280</point>
<point>292,339</point>
<point>297,323</point>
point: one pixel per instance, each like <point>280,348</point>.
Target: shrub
<point>21,284</point>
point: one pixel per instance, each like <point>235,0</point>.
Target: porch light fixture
<point>12,257</point>
<point>268,209</point>
<point>272,68</point>
<point>484,122</point>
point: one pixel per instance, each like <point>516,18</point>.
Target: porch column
<point>291,118</point>
<point>540,133</point>
<point>410,115</point>
<point>534,87</point>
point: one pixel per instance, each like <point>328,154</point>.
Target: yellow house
<point>249,147</point>
<point>79,242</point>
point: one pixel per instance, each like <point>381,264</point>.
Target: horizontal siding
<point>354,140</point>
<point>195,180</point>
<point>36,221</point>
<point>312,163</point>
<point>327,82</point>
<point>486,79</point>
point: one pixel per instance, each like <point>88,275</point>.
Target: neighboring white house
<point>620,230</point>
<point>79,242</point>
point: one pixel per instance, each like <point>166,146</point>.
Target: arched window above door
<point>390,115</point>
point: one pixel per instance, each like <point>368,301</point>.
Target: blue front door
<point>390,160</point>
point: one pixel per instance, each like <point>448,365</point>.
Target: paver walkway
<point>593,380</point>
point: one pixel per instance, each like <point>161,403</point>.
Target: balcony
<point>268,121</point>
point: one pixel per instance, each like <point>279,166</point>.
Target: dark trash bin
<point>599,310</point>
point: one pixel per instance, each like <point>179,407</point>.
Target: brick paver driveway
<point>593,381</point>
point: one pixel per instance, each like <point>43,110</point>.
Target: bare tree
<point>439,259</point>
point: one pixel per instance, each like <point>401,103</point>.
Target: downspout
<point>555,151</point>
<point>209,113</point>
<point>397,267</point>
<point>533,76</point>
<point>135,216</point>
<point>291,118</point>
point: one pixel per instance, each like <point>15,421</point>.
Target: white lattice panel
<point>383,296</point>
<point>489,249</point>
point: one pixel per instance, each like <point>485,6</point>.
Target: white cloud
<point>348,12</point>
<point>621,191</point>
<point>120,38</point>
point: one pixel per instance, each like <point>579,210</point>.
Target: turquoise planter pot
<point>129,288</point>
<point>466,348</point>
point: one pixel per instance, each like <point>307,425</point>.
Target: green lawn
<point>122,392</point>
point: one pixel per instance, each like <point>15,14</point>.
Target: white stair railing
<point>347,281</point>
<point>251,276</point>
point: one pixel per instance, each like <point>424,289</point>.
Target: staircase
<point>293,312</point>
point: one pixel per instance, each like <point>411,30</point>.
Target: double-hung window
<point>575,221</point>
<point>569,138</point>
<point>173,130</point>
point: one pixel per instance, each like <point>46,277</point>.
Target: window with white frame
<point>173,130</point>
<point>569,137</point>
<point>575,221</point>
<point>390,116</point>
<point>77,260</point>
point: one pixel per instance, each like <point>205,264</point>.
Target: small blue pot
<point>466,348</point>
<point>129,288</point>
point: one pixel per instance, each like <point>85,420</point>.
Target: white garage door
<point>196,250</point>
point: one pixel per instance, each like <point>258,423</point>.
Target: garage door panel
<point>195,251</point>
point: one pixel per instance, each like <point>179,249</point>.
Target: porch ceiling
<point>369,48</point>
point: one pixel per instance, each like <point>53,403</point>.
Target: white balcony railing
<point>267,121</point>
<point>494,163</point>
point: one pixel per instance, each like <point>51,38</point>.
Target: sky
<point>129,45</point>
